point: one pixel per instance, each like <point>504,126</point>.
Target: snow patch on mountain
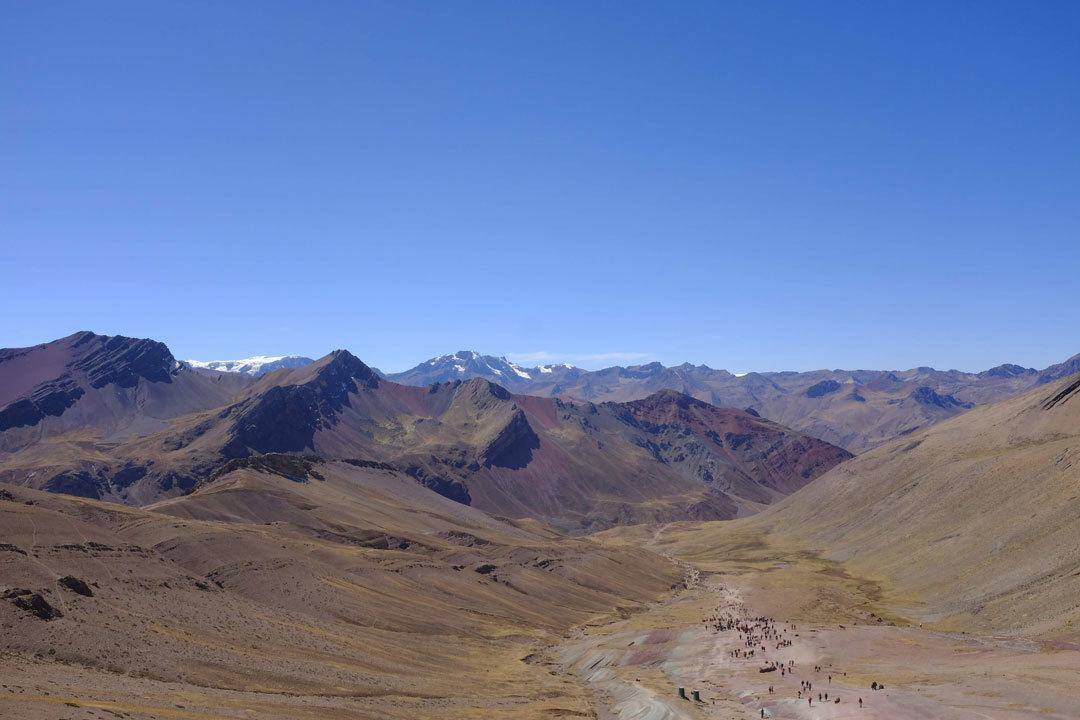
<point>255,365</point>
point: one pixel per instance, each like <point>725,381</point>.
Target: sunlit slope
<point>975,518</point>
<point>305,590</point>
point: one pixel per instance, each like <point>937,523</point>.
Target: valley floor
<point>836,630</point>
<point>836,635</point>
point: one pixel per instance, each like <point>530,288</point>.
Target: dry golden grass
<point>259,594</point>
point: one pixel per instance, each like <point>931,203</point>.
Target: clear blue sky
<point>749,185</point>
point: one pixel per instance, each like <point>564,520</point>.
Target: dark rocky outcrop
<point>1070,391</point>
<point>462,538</point>
<point>128,475</point>
<point>51,398</point>
<point>297,468</point>
<point>451,488</point>
<point>370,539</point>
<point>822,388</point>
<point>76,585</point>
<point>32,603</point>
<point>370,464</point>
<point>928,396</point>
<point>82,483</point>
<point>120,360</point>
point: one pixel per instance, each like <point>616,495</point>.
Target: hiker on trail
<point>860,702</point>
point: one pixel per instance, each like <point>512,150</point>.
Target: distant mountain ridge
<point>855,409</point>
<point>466,364</point>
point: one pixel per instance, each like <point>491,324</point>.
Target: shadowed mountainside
<point>110,387</point>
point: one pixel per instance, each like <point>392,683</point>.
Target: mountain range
<point>325,541</point>
<point>120,419</point>
<point>855,409</point>
<point>466,364</point>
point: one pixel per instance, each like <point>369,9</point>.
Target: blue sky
<point>748,185</point>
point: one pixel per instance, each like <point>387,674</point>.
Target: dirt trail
<point>716,635</point>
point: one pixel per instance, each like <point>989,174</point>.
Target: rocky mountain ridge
<point>576,464</point>
<point>856,409</point>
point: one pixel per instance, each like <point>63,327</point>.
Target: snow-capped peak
<point>255,365</point>
<point>548,369</point>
